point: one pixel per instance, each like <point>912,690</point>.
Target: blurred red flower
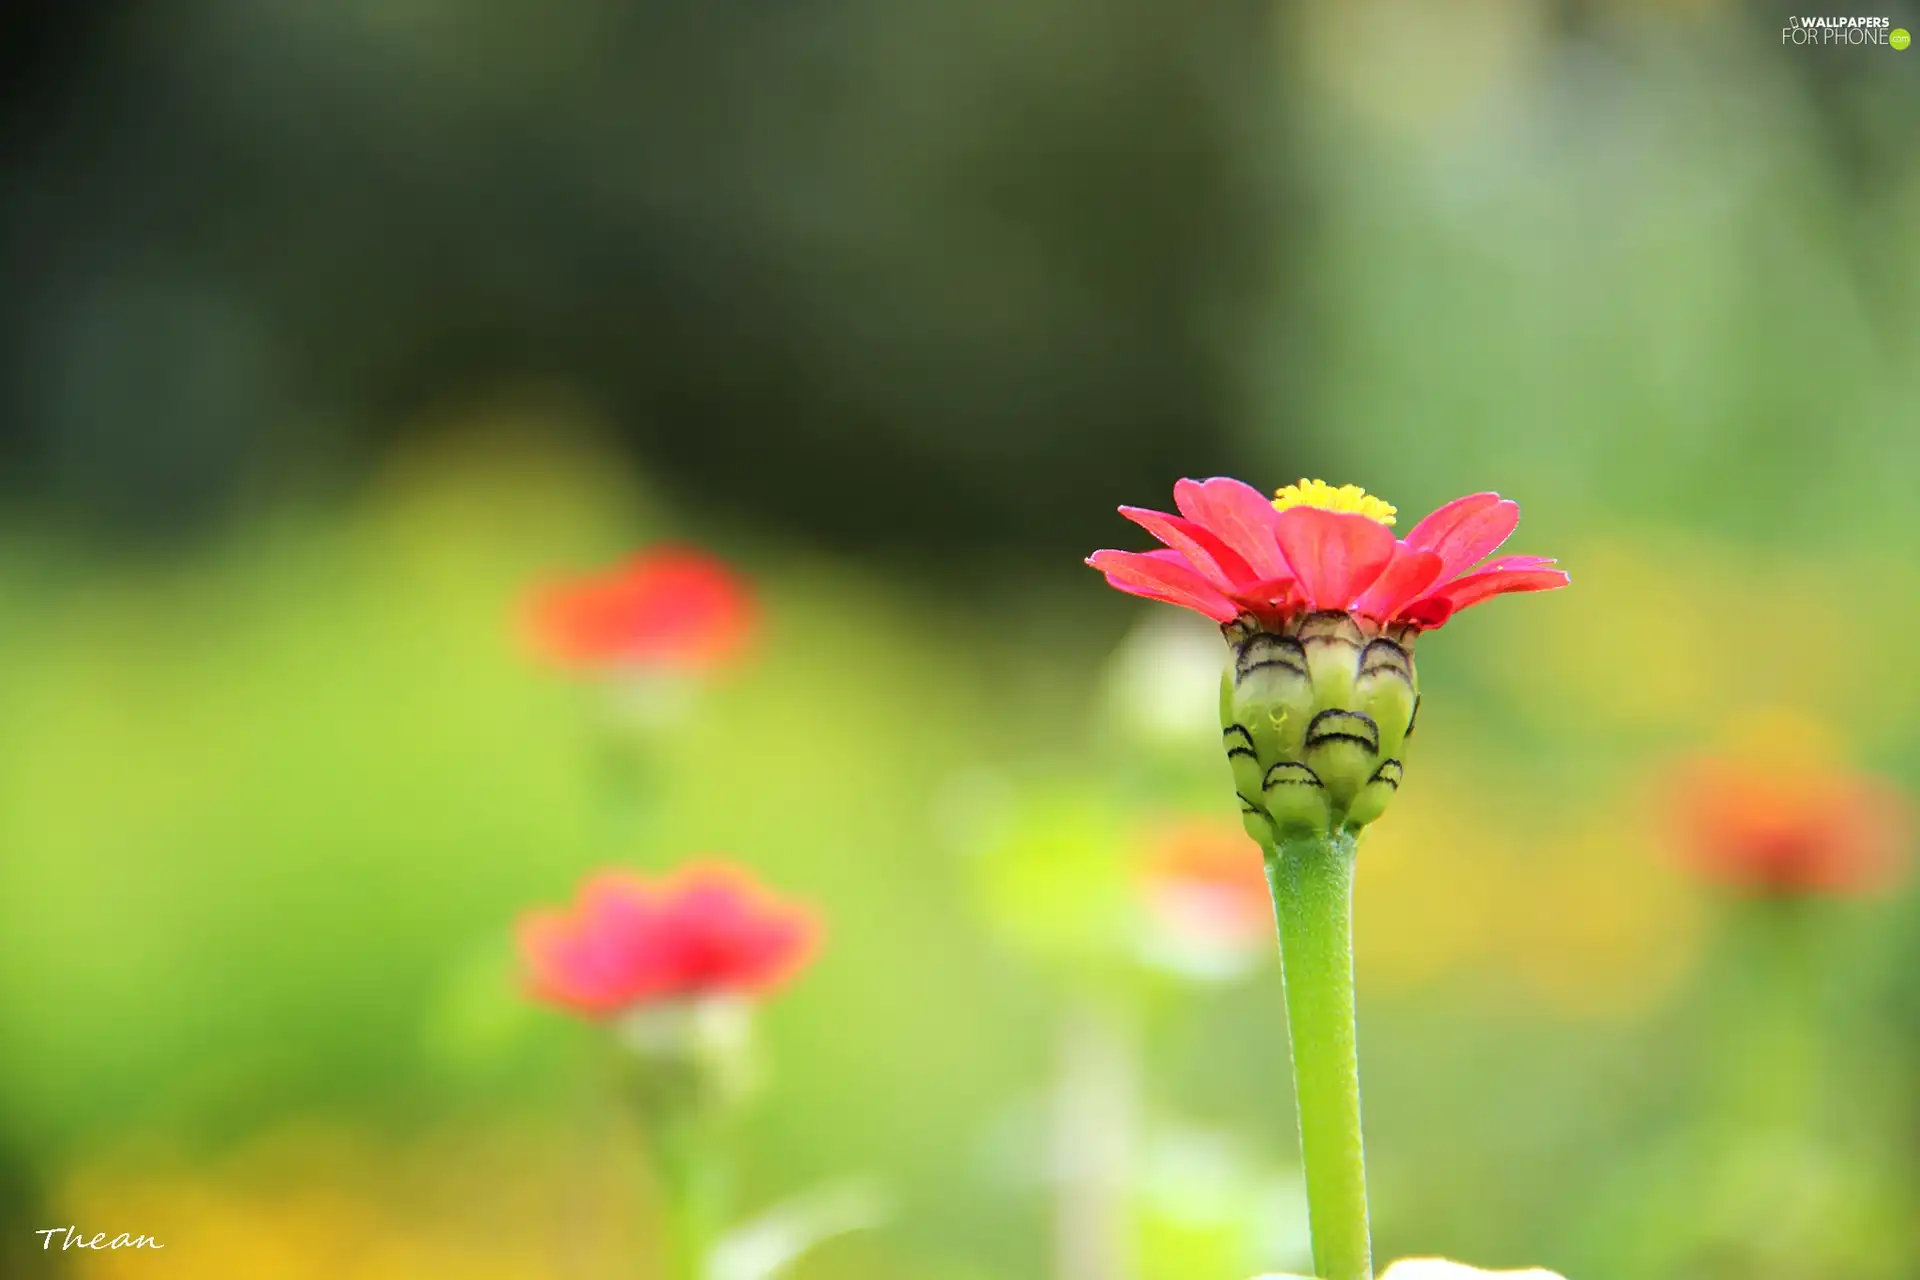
<point>708,929</point>
<point>1789,833</point>
<point>1232,552</point>
<point>1206,882</point>
<point>668,607</point>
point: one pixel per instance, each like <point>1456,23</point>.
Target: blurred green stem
<point>1770,1080</point>
<point>1312,883</point>
<point>625,772</point>
<point>693,1189</point>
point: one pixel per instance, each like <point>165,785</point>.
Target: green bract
<point>1315,718</point>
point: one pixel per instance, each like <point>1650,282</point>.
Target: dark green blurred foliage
<point>868,270</point>
<point>24,1209</point>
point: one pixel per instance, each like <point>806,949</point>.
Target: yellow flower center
<point>1348,497</point>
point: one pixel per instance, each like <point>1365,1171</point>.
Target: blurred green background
<point>329,330</point>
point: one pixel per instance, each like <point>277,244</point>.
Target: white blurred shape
<point>1163,681</point>
<point>768,1245</point>
<point>1440,1269</point>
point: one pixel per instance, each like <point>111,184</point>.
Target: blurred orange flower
<point>1788,833</point>
<point>1206,882</point>
<point>707,930</point>
<point>673,608</point>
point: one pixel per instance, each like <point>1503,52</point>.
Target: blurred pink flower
<point>1232,552</point>
<point>707,930</point>
<point>1207,882</point>
<point>672,608</point>
<point>1789,833</point>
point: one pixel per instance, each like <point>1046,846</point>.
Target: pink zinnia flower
<point>1233,553</point>
<point>1780,833</point>
<point>667,608</point>
<point>707,930</point>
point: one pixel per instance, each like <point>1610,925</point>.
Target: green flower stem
<point>1772,1069</point>
<point>1312,883</point>
<point>626,772</point>
<point>693,1188</point>
<point>681,1068</point>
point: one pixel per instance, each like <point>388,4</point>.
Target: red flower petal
<point>709,930</point>
<point>733,936</point>
<point>1277,595</point>
<point>1466,530</point>
<point>1443,602</point>
<point>572,966</point>
<point>1516,562</point>
<point>1408,574</point>
<point>1475,587</point>
<point>1220,564</point>
<point>623,921</point>
<point>1240,516</point>
<point>1334,554</point>
<point>1165,576</point>
<point>1428,614</point>
<point>668,607</point>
